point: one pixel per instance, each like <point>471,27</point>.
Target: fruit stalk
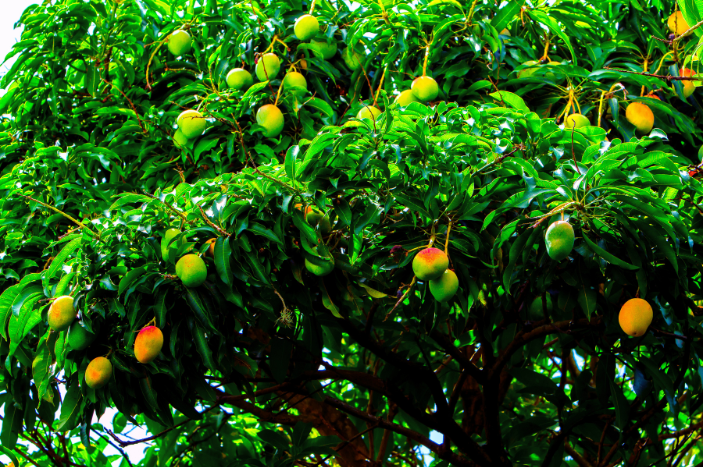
<point>446,242</point>
<point>644,68</point>
<point>471,11</point>
<point>427,56</point>
<point>312,7</point>
<point>151,58</point>
<point>545,54</point>
<point>278,94</point>
<point>380,86</point>
<point>602,99</point>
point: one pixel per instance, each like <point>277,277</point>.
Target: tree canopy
<point>404,235</point>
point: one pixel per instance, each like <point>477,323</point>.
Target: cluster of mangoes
<point>62,317</point>
<point>432,265</point>
<point>191,123</point>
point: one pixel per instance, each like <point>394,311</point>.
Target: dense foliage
<point>272,362</point>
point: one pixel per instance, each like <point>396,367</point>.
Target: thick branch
<point>523,337</point>
<point>420,374</point>
<point>441,451</point>
<point>677,434</point>
<point>577,457</point>
<point>457,355</point>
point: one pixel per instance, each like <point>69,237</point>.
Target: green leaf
<point>11,424</point>
<point>9,453</point>
<point>8,296</point>
<point>291,157</point>
<point>327,302</point>
<point>29,293</point>
<point>202,312</point>
<point>58,262</point>
<point>42,365</point>
<point>506,14</point>
<point>607,256</point>
<point>222,258</point>
<point>161,307</point>
<point>622,408</point>
<point>201,344</point>
<point>129,278</point>
<point>513,100</point>
<point>70,409</point>
<point>373,292</point>
<point>661,379</point>
<point>587,299</point>
<point>129,198</point>
<point>692,13</point>
<point>259,229</point>
<point>275,438</point>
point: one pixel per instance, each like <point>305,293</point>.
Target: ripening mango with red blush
<point>148,344</point>
<point>430,263</point>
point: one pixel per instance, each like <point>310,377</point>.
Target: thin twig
<point>183,216</point>
<point>400,300</point>
<point>665,77</point>
<point>212,224</point>
<point>134,108</point>
<point>75,221</point>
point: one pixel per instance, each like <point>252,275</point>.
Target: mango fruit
<point>79,338</point>
<point>445,286</point>
<point>211,247</point>
<point>239,78</point>
<point>98,373</point>
<point>425,88</point>
<point>430,263</point>
<point>191,123</point>
<point>559,240</point>
<point>148,344</point>
<point>306,27</point>
<point>61,313</point>
<point>179,43</point>
<point>267,67</point>
<point>191,270</point>
<point>352,58</point>
<point>296,82</point>
<point>271,118</point>
<point>677,24</point>
<point>635,317</point>
<point>576,121</point>
<point>641,116</point>
<point>405,98</point>
<point>370,112</point>
<point>323,49</point>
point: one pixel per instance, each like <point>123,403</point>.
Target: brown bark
<point>473,420</point>
<point>331,422</point>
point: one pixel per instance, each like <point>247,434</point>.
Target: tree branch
<point>523,337</point>
<point>577,457</point>
<point>444,420</point>
<point>664,77</point>
<point>442,452</point>
<point>457,355</point>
